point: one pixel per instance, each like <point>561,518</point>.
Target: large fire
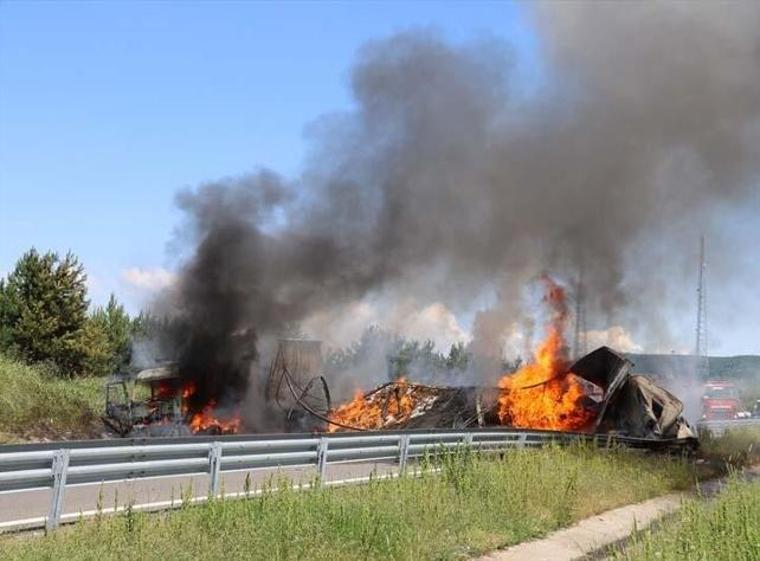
<point>373,410</point>
<point>206,420</point>
<point>544,394</point>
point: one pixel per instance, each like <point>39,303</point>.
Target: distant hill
<point>676,372</point>
<point>746,367</point>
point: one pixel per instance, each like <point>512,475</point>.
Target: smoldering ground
<point>446,178</point>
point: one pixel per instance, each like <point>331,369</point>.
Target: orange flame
<point>374,410</point>
<point>206,420</point>
<point>544,394</point>
<point>188,390</point>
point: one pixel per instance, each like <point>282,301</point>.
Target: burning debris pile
<point>386,406</point>
<point>597,394</point>
<point>403,405</point>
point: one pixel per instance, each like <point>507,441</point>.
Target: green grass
<point>34,404</point>
<point>474,505</point>
<point>734,449</point>
<point>725,529</point>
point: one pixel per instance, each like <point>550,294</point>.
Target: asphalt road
<point>27,509</point>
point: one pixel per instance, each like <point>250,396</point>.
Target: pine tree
<point>458,357</point>
<point>114,322</point>
<point>43,310</point>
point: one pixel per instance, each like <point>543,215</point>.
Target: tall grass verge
<point>473,504</point>
<point>725,529</point>
<point>734,449</point>
<point>35,404</point>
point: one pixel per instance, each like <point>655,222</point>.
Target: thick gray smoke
<point>447,179</point>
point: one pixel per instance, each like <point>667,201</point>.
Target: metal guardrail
<point>719,427</point>
<point>23,469</point>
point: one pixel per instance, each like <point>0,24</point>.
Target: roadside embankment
<point>34,405</point>
<point>734,449</point>
<point>638,527</point>
<point>724,528</point>
<point>474,504</point>
<point>592,534</point>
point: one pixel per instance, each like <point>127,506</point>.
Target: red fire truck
<point>720,401</point>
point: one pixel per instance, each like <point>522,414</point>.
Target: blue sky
<point>108,108</point>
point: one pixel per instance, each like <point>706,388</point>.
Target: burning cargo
<point>597,394</point>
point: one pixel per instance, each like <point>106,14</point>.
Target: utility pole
<point>701,349</point>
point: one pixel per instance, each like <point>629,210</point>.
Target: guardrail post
<point>403,453</point>
<point>467,440</point>
<point>523,439</point>
<point>214,468</point>
<point>322,458</point>
<point>60,469</point>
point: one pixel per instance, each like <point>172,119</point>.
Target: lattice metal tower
<point>701,350</point>
<point>580,340</point>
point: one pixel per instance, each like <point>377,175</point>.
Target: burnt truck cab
<point>148,403</point>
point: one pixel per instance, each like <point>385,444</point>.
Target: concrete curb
<point>591,538</point>
<point>592,534</point>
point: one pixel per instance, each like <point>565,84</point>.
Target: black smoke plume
<point>447,178</point>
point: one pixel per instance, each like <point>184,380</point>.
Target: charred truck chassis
<point>158,414</point>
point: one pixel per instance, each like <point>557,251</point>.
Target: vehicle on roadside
<point>148,403</point>
<point>720,401</point>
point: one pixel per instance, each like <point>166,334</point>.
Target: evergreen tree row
<point>45,317</point>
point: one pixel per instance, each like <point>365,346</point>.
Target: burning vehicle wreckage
<point>155,402</point>
<point>598,394</point>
